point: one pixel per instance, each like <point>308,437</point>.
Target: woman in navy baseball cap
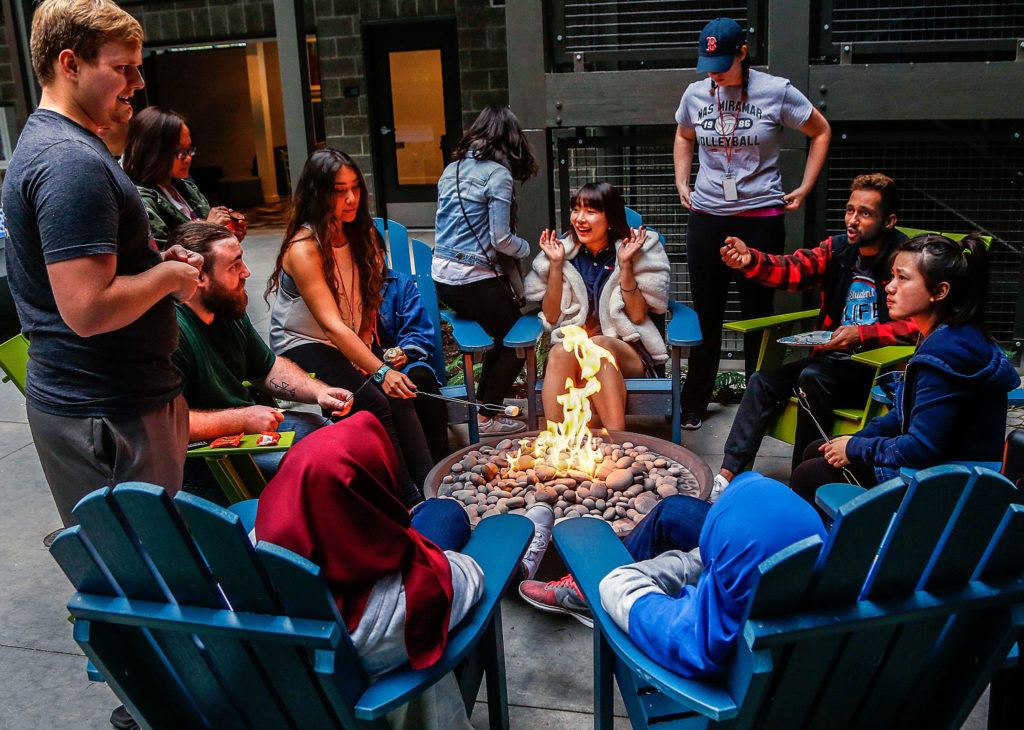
<point>735,118</point>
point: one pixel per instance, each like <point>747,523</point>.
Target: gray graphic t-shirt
<point>752,129</point>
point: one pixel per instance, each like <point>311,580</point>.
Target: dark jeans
<point>199,479</point>
<point>829,383</point>
<point>674,524</point>
<point>443,522</point>
<point>487,303</point>
<point>709,285</point>
<point>433,413</point>
<point>396,415</point>
<point>813,472</point>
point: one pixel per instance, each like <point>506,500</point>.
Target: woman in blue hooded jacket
<point>950,404</point>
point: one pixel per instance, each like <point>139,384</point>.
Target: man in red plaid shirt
<point>851,271</point>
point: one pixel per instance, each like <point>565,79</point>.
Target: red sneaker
<point>558,596</point>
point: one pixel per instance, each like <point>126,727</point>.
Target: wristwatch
<point>378,377</point>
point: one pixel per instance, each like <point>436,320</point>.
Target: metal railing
<point>610,34</point>
<point>929,29</point>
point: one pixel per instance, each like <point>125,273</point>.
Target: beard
<point>226,303</point>
<point>872,236</point>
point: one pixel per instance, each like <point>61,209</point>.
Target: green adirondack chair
<point>193,627</point>
<point>772,355</point>
<point>899,620</point>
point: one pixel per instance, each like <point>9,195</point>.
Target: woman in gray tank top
<point>328,279</point>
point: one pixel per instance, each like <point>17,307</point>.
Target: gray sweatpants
<point>81,454</point>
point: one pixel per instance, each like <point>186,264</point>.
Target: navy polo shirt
<point>595,270</point>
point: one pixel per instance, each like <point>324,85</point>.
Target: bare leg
<point>560,365</point>
<point>610,401</point>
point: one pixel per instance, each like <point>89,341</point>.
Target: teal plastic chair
<point>643,395</point>
<point>192,627</point>
<point>412,257</point>
<point>898,620</point>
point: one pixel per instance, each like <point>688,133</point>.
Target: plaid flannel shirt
<point>806,269</point>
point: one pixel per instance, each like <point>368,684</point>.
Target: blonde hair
<point>82,26</point>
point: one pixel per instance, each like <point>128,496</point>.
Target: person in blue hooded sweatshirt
<point>684,603</point>
<point>950,403</point>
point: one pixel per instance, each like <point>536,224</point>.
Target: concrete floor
<point>42,671</point>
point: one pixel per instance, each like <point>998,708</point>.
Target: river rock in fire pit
<point>627,483</point>
<point>619,479</point>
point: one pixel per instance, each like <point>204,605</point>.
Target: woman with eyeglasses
<point>157,158</point>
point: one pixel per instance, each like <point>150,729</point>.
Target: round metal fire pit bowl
<point>669,450</point>
<point>551,567</point>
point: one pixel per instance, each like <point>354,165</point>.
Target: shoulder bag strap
<point>458,192</point>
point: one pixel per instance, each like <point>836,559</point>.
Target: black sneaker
<point>691,421</point>
<point>122,719</point>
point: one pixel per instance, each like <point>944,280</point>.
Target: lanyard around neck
<point>721,121</point>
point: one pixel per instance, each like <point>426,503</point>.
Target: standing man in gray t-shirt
<point>95,297</point>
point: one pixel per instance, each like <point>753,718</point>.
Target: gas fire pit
<point>633,473</point>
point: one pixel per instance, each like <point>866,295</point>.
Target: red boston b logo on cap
<point>712,44</point>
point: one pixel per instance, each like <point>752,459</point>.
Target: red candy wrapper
<point>226,441</point>
<point>268,438</point>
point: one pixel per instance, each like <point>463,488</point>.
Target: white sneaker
<point>717,488</point>
<point>543,517</point>
<point>500,426</point>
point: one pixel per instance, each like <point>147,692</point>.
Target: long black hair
<point>497,136</point>
<point>963,265</point>
<point>153,137</point>
<point>605,198</point>
<point>314,206</point>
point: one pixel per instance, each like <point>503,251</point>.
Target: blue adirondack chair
<point>192,627</point>
<point>412,257</point>
<point>899,620</point>
<point>643,395</point>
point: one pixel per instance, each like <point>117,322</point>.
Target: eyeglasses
<point>187,152</point>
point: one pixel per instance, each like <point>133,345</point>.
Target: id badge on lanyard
<point>729,188</point>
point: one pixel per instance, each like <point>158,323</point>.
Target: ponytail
<point>964,266</point>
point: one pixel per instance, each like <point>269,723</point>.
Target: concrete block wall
<point>482,62</point>
<point>204,20</point>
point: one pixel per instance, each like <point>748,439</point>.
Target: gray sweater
<point>667,573</point>
<point>380,636</point>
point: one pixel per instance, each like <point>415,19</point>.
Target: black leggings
<point>814,472</point>
<point>488,303</point>
<point>396,415</point>
<point>709,286</point>
<point>433,413</point>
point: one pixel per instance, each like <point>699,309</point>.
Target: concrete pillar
<point>263,133</point>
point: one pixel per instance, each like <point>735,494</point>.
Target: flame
<point>569,444</point>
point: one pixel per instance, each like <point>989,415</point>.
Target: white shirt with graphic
<point>748,132</point>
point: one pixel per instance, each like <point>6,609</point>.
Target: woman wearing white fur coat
<point>607,279</point>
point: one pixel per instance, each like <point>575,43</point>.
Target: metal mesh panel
<point>901,21</point>
<point>631,26</point>
<point>956,181</point>
<point>641,168</point>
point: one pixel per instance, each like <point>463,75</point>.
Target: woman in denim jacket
<point>476,214</point>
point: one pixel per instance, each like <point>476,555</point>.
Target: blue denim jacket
<point>402,321</point>
<point>487,191</point>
